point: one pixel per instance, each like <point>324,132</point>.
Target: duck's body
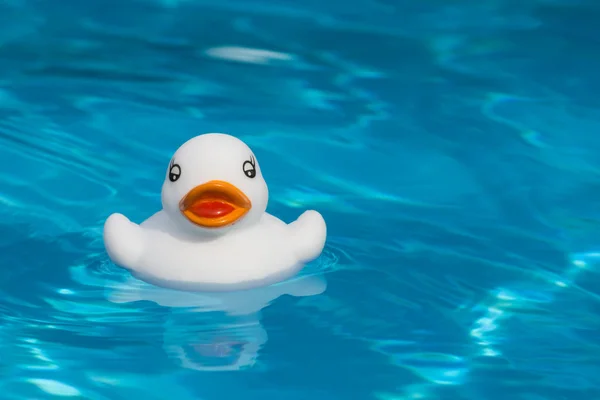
<point>263,253</point>
<point>221,239</point>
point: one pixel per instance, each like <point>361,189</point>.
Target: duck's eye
<point>249,167</point>
<point>174,172</point>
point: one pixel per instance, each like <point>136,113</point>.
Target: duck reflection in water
<point>215,331</point>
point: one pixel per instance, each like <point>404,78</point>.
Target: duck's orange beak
<point>214,204</point>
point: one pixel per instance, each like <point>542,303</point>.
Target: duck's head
<point>214,184</point>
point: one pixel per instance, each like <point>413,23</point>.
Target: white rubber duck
<point>213,233</point>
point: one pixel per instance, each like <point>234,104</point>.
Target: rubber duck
<point>213,232</point>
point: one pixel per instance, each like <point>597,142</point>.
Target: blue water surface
<point>453,148</point>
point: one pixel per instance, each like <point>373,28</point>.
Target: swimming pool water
<point>451,146</point>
